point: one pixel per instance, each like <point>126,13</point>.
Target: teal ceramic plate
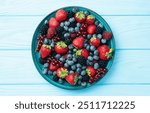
<point>35,55</point>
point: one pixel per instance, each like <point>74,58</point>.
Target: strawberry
<point>91,29</point>
<point>80,17</point>
<point>90,71</point>
<point>82,52</point>
<point>90,19</point>
<point>51,32</point>
<point>78,42</point>
<point>61,15</point>
<point>53,23</point>
<point>107,35</point>
<point>72,78</point>
<point>61,47</point>
<point>45,50</point>
<point>53,67</point>
<point>95,41</point>
<point>105,52</point>
<point>62,72</point>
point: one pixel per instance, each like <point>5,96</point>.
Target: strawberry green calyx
<point>91,17</point>
<point>61,44</point>
<point>88,72</point>
<point>78,52</point>
<point>109,54</point>
<point>80,15</point>
<point>46,46</point>
<point>93,38</point>
<point>75,79</point>
<point>63,73</point>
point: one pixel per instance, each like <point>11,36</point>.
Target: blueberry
<point>83,72</point>
<point>79,82</point>
<point>86,13</point>
<point>67,23</point>
<point>66,65</point>
<point>62,24</point>
<point>90,58</point>
<point>96,66</point>
<point>88,47</point>
<point>55,78</point>
<point>96,52</point>
<point>66,34</point>
<point>80,77</point>
<point>85,45</point>
<point>84,84</point>
<point>50,41</point>
<point>83,67</point>
<point>78,24</point>
<point>76,29</point>
<point>89,36</point>
<point>96,57</point>
<point>94,35</point>
<point>78,70</point>
<point>46,65</point>
<point>72,19</point>
<point>103,41</point>
<point>78,65</point>
<point>100,25</point>
<point>74,59</point>
<point>96,22</point>
<point>44,71</point>
<point>50,72</point>
<point>75,9</point>
<point>71,71</point>
<point>66,28</point>
<point>91,54</point>
<point>57,56</point>
<point>70,46</point>
<point>73,67</point>
<point>99,36</point>
<point>70,63</point>
<point>61,81</point>
<point>69,56</point>
<point>62,59</point>
<point>70,52</point>
<point>92,48</point>
<point>45,41</point>
<point>71,29</point>
<point>52,44</point>
<point>89,63</point>
<point>54,73</point>
<point>74,50</point>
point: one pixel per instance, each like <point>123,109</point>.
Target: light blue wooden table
<point>129,21</point>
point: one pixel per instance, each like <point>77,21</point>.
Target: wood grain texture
<point>43,7</point>
<point>129,66</point>
<point>130,32</point>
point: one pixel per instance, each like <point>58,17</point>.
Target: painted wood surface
<point>129,21</point>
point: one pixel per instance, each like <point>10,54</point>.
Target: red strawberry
<point>53,23</point>
<point>45,50</point>
<point>61,15</point>
<point>105,52</point>
<point>80,16</point>
<point>82,52</point>
<point>62,72</point>
<point>91,29</point>
<point>78,42</point>
<point>107,35</point>
<point>51,32</point>
<point>61,47</point>
<point>90,71</point>
<point>90,19</point>
<point>53,67</point>
<point>95,41</point>
<point>72,78</point>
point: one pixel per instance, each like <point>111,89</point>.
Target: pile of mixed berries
<point>73,47</point>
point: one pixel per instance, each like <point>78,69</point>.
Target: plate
<point>35,55</point>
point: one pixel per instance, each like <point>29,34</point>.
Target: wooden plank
<point>131,32</point>
<point>130,66</point>
<point>43,7</point>
<point>96,90</point>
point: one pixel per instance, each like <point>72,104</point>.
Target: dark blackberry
<point>68,40</point>
<point>59,29</point>
<point>103,63</point>
<point>73,24</point>
<point>42,61</point>
<point>61,35</point>
<point>70,14</point>
<point>99,30</point>
<point>44,29</point>
<point>85,78</point>
<point>55,78</point>
<point>81,60</point>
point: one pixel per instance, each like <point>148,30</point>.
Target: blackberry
<point>73,24</point>
<point>55,78</point>
<point>59,29</point>
<point>103,63</point>
<point>42,61</point>
<point>81,60</point>
<point>70,14</point>
<point>68,40</point>
<point>99,30</point>
<point>61,35</point>
<point>85,78</point>
<point>44,29</point>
